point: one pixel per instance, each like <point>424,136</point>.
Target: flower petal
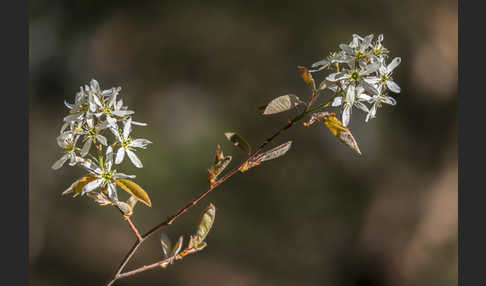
<point>101,139</point>
<point>109,158</point>
<point>394,63</point>
<point>361,106</point>
<point>120,154</point>
<point>92,185</point>
<point>337,101</point>
<point>140,143</point>
<point>124,176</point>
<point>112,192</point>
<point>388,100</point>
<point>86,147</point>
<point>346,114</point>
<point>393,86</point>
<point>127,128</point>
<point>134,159</point>
<point>59,163</point>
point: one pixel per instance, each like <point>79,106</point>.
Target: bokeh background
<point>321,215</point>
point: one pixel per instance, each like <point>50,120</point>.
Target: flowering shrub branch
<point>359,78</point>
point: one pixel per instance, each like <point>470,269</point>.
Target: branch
<point>192,203</point>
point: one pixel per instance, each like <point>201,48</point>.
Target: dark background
<point>318,216</point>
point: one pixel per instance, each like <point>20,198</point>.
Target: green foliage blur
<point>320,215</point>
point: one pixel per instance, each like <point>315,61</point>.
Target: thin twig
<point>192,203</point>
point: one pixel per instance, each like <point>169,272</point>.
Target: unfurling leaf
<point>268,155</point>
<point>99,198</point>
<point>238,141</point>
<point>218,166</point>
<point>132,201</point>
<point>135,190</point>
<point>177,248</point>
<point>201,246</point>
<point>77,186</point>
<point>125,208</point>
<point>336,127</point>
<point>282,103</point>
<point>205,225</point>
<point>307,76</point>
<point>166,244</point>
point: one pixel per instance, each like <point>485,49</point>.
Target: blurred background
<point>320,215</point>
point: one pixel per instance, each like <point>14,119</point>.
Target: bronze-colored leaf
<point>238,141</point>
<point>219,164</point>
<point>282,103</point>
<point>205,225</point>
<point>78,185</point>
<point>336,127</point>
<point>340,131</point>
<point>307,77</point>
<point>268,155</point>
<point>135,190</point>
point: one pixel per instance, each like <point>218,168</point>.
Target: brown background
<point>318,216</point>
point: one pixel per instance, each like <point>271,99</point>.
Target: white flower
<point>385,75</point>
<point>355,96</point>
<point>66,141</point>
<point>91,135</point>
<point>79,108</point>
<point>127,144</point>
<point>105,177</point>
<point>377,101</point>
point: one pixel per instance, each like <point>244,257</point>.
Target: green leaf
<point>207,220</point>
<point>238,141</point>
<point>135,190</point>
<point>282,103</point>
<point>166,244</point>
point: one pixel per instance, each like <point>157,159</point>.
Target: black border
<point>472,195</point>
<point>14,137</point>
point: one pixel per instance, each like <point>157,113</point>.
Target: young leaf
<point>166,244</point>
<point>341,132</point>
<point>219,164</point>
<point>205,225</point>
<point>282,103</point>
<point>307,76</point>
<point>276,152</point>
<point>125,208</point>
<point>336,127</point>
<point>201,246</point>
<point>268,155</point>
<point>99,198</point>
<point>177,248</point>
<point>135,190</point>
<point>238,141</point>
<point>77,186</point>
<point>132,201</point>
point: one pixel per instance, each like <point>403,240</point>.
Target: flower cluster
<point>361,76</point>
<point>93,112</point>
